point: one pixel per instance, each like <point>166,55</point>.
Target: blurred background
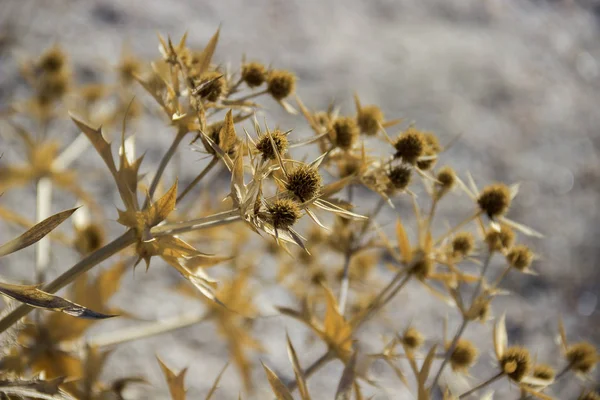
<point>517,80</point>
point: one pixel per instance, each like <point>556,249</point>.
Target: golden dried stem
<point>482,385</point>
<point>200,176</point>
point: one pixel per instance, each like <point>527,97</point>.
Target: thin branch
<point>163,165</point>
<point>200,176</point>
<point>482,385</point>
<point>314,367</point>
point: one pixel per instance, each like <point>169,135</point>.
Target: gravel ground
<point>518,80</point>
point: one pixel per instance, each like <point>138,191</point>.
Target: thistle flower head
<point>410,145</point>
<point>283,213</point>
<point>265,147</point>
<point>544,371</point>
<point>254,74</point>
<point>432,149</point>
<point>464,355</point>
<point>214,86</point>
<point>304,182</point>
<point>399,177</point>
<point>422,268</point>
<point>500,240</point>
<point>462,244</point>
<point>281,83</point>
<point>345,132</point>
<point>582,357</point>
<point>89,238</point>
<point>494,200</point>
<point>412,339</point>
<point>369,119</point>
<point>516,363</point>
<point>52,61</point>
<point>520,257</point>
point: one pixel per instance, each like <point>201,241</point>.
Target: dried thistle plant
<point>330,268</point>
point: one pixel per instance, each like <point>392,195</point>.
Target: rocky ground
<point>517,80</point>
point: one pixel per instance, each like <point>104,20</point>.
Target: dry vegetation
<point>335,264</point>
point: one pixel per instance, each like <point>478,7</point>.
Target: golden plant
<point>332,271</point>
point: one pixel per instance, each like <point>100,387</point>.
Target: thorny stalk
<point>198,178</point>
<point>314,367</point>
<point>482,385</point>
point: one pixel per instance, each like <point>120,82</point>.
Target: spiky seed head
<point>266,148</point>
<point>281,83</point>
<point>463,244</point>
<point>432,149</point>
<point>369,119</point>
<point>317,277</point>
<point>215,86</point>
<point>500,240</point>
<point>589,395</point>
<point>422,268</point>
<point>400,177</point>
<point>283,213</point>
<point>346,132</point>
<point>520,257</point>
<point>52,61</point>
<point>446,178</point>
<point>582,357</point>
<point>410,145</point>
<point>544,371</point>
<point>89,238</point>
<point>52,87</point>
<point>494,200</point>
<point>254,74</point>
<point>412,339</point>
<point>464,355</point>
<point>304,182</point>
<point>516,363</point>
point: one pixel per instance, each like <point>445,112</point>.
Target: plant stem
<point>451,349</point>
<point>147,330</point>
<point>457,227</point>
<point>163,165</point>
<point>486,265</point>
<point>43,207</point>
<point>482,385</point>
<point>87,263</point>
<point>314,367</point>
<point>200,176</point>
<point>345,283</point>
<point>210,221</point>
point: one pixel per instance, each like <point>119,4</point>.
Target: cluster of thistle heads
<point>300,214</point>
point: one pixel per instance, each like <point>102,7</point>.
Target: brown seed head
<point>589,395</point>
<point>283,213</point>
<point>52,87</point>
<point>266,148</point>
<point>464,355</point>
<point>318,277</point>
<point>410,145</point>
<point>412,339</point>
<point>463,244</point>
<point>582,357</point>
<point>422,268</point>
<point>520,257</point>
<point>432,149</point>
<point>215,86</point>
<point>446,178</point>
<point>369,119</point>
<point>128,68</point>
<point>544,371</point>
<point>89,239</point>
<point>52,61</point>
<point>500,240</point>
<point>516,363</point>
<point>254,74</point>
<point>304,182</point>
<point>346,132</point>
<point>400,177</point>
<point>281,83</point>
<point>494,200</point>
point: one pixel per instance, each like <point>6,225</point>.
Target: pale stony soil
<point>518,80</point>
